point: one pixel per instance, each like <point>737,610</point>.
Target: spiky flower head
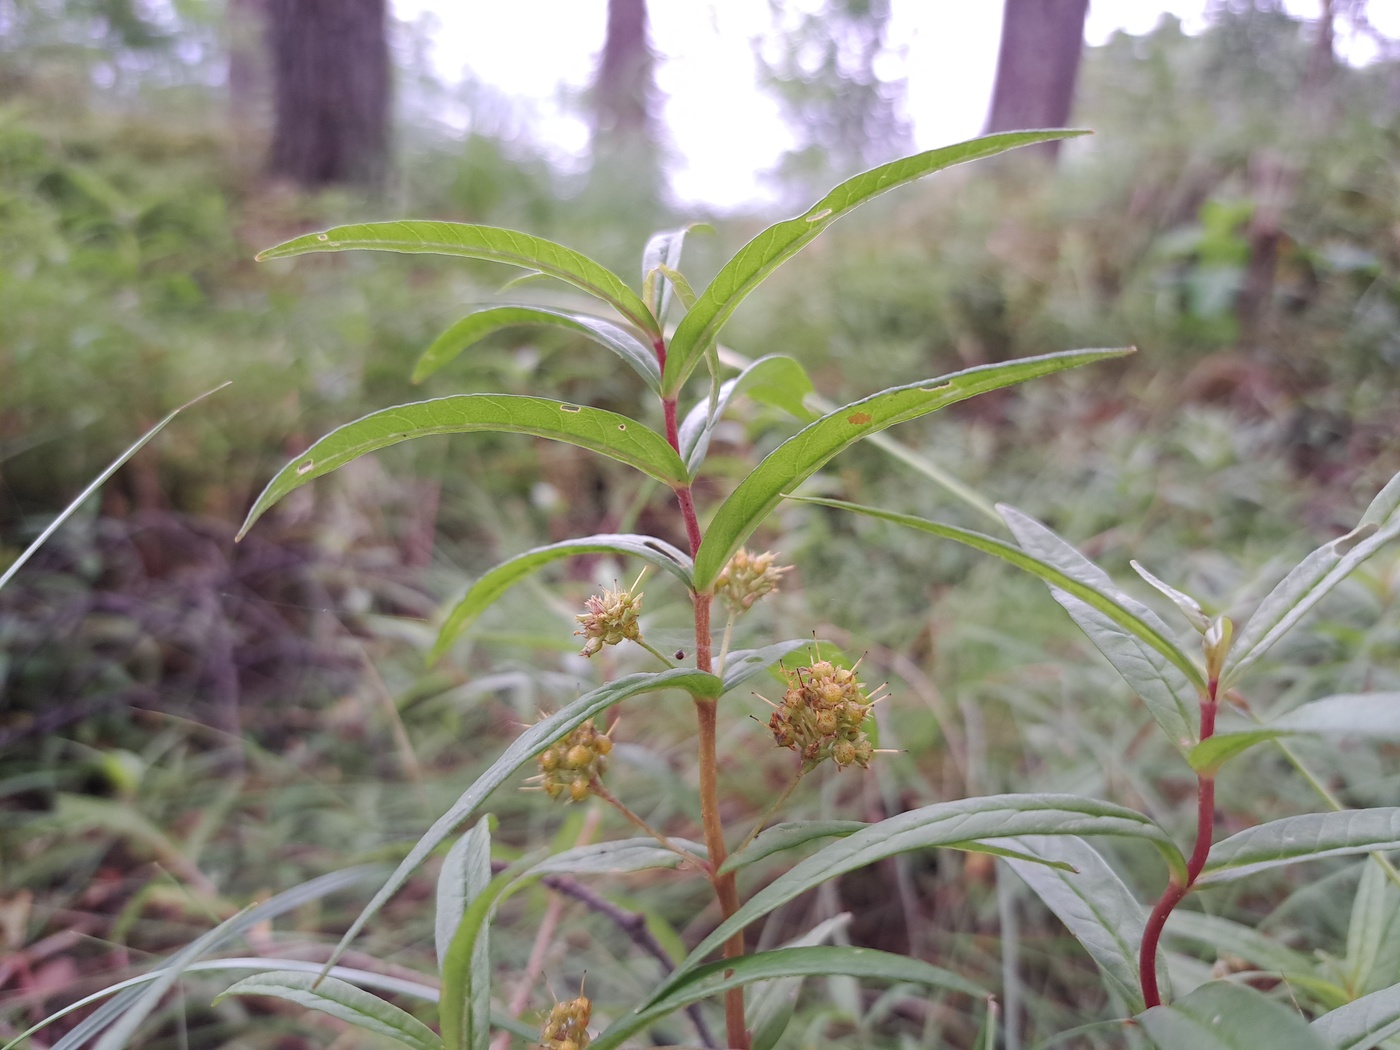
<point>822,713</point>
<point>569,767</point>
<point>611,617</point>
<point>747,578</point>
<point>566,1027</point>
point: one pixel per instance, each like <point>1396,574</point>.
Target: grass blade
<point>428,237</point>
<point>342,1001</point>
<point>498,580</point>
<point>96,484</point>
<point>807,451</point>
<point>770,249</point>
<point>960,824</point>
<point>707,981</point>
<point>1312,579</point>
<point>616,436</point>
<point>481,323</point>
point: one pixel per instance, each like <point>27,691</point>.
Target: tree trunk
<point>1037,65</point>
<point>626,83</point>
<point>330,62</point>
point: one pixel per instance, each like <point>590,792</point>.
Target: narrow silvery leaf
<point>1093,903</point>
<point>1189,607</point>
<point>1224,1016</point>
<point>617,857</point>
<point>764,379</point>
<point>463,877</point>
<point>1171,695</point>
<point>1312,579</point>
<point>344,1002</point>
<point>1310,836</point>
<point>1363,1023</point>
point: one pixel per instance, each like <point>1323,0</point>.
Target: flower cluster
<point>821,715</point>
<point>566,1027</point>
<point>611,617</point>
<point>747,578</point>
<point>570,766</point>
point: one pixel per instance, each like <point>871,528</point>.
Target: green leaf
<point>1093,903</point>
<point>613,435</point>
<point>743,273</point>
<point>787,835</point>
<point>771,1004</point>
<point>775,380</point>
<point>1189,607</point>
<point>1312,579</point>
<point>462,938</point>
<point>663,252</point>
<point>707,981</point>
<point>1140,648</point>
<point>342,1001</point>
<point>481,323</point>
<point>1224,1016</point>
<point>1232,938</point>
<point>463,877</point>
<point>129,1011</point>
<point>96,484</point>
<point>525,747</point>
<point>427,237</point>
<point>498,580</point>
<point>1310,836</point>
<point>1362,1023</point>
<point>1209,755</point>
<point>616,858</point>
<point>1375,716</point>
<point>465,1006</point>
<point>1371,933</point>
<point>1120,619</point>
<point>744,664</point>
<point>807,451</point>
<point>960,824</point>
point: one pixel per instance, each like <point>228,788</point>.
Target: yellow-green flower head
<point>611,617</point>
<point>822,714</point>
<point>747,578</point>
<point>566,1027</point>
<point>569,767</point>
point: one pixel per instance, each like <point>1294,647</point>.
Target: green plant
<point>825,710</point>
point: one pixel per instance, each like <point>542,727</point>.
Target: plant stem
<point>724,642</point>
<point>1176,891</point>
<point>596,786</point>
<point>802,771</point>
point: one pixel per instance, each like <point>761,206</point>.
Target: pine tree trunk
<point>330,63</point>
<point>1037,66</point>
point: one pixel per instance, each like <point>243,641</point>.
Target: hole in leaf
<point>323,237</point>
<point>570,408</point>
<point>306,467</point>
<point>819,216</point>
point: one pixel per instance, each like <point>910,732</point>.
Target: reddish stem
<point>1176,892</point>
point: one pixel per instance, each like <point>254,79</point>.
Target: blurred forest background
<point>187,723</point>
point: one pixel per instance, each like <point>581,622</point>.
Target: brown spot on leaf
<point>859,418</point>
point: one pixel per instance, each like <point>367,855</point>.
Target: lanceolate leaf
<point>526,746</point>
<point>807,451</point>
<point>616,858</point>
<point>1209,755</point>
<point>1114,609</point>
<point>787,835</point>
<point>1375,716</point>
<point>342,1001</point>
<point>1313,578</point>
<point>613,435</point>
<point>463,877</point>
<point>1147,658</point>
<point>1232,938</point>
<point>1362,1023</point>
<point>427,237</point>
<point>464,1008</point>
<point>961,824</point>
<point>1225,1016</point>
<point>1310,836</point>
<point>663,251</point>
<point>707,981</point>
<point>497,581</point>
<point>1091,901</point>
<point>780,380</point>
<point>775,245</point>
<point>481,323</point>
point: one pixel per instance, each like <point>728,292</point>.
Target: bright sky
<point>724,131</point>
